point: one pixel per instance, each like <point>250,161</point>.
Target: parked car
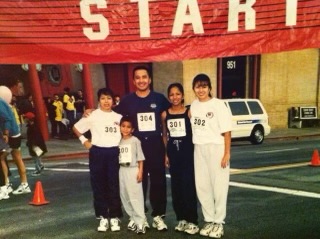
<point>249,119</point>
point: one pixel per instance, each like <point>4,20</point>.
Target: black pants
<point>183,189</point>
<point>58,129</point>
<point>104,176</point>
<point>154,169</point>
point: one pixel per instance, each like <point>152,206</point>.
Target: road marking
<point>234,184</point>
<point>276,189</point>
<point>276,151</point>
<point>63,169</point>
<point>267,168</point>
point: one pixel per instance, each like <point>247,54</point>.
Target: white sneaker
<point>207,228</point>
<point>191,228</point>
<point>181,226</point>
<point>9,188</point>
<point>4,194</point>
<point>115,224</point>
<point>217,231</point>
<point>22,189</point>
<point>159,224</point>
<point>141,229</point>
<point>104,225</point>
<point>132,226</point>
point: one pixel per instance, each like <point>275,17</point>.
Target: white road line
<point>276,151</point>
<point>267,168</point>
<point>276,189</point>
<point>64,170</point>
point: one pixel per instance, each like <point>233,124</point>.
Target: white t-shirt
<point>131,151</point>
<point>209,120</point>
<point>104,128</point>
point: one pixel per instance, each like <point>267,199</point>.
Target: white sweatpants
<point>212,181</point>
<point>131,194</point>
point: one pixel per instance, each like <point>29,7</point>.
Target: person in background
<point>69,108</point>
<point>211,129</point>
<point>16,110</point>
<point>57,127</point>
<point>104,125</point>
<point>5,118</point>
<point>144,107</point>
<point>177,137</point>
<point>35,143</point>
<point>51,113</point>
<point>116,100</point>
<point>130,176</point>
<point>79,105</point>
<point>12,136</point>
<point>27,105</point>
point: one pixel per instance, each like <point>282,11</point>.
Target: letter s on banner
<point>94,18</point>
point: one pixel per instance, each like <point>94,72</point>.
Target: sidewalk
<point>72,148</point>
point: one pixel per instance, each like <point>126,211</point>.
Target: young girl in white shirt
<point>211,128</point>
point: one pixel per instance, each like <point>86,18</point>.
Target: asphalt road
<point>264,201</point>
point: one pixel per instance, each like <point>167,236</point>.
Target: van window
<point>238,108</point>
<point>255,108</point>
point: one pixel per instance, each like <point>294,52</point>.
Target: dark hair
<point>126,119</point>
<point>179,86</point>
<point>141,68</point>
<point>12,82</point>
<point>203,80</point>
<point>105,91</point>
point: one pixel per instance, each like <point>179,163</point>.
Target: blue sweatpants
<point>104,175</point>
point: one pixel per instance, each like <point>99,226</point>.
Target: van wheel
<point>257,135</point>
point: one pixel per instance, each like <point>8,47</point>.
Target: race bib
<point>177,127</point>
<point>146,121</point>
<point>199,125</point>
<point>125,154</point>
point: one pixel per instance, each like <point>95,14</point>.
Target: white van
<point>249,119</point>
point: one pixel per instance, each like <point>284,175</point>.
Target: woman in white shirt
<point>211,129</point>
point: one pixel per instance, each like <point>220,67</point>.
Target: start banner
<point>112,31</point>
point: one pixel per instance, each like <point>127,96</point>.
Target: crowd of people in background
<point>18,115</point>
<point>138,137</point>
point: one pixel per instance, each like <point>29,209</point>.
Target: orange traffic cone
<point>38,197</point>
<point>315,161</point>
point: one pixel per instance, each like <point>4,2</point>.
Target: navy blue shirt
<point>145,112</point>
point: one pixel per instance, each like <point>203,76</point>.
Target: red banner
<point>101,31</point>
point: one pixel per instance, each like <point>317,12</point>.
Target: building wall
<point>193,67</point>
<point>288,79</point>
<point>165,73</point>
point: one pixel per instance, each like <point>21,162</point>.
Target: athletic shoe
<point>115,224</point>
<point>22,189</point>
<point>182,225</point>
<point>9,188</point>
<point>159,224</point>
<point>132,226</point>
<point>4,194</point>
<point>207,228</point>
<point>36,173</point>
<point>217,231</point>
<point>104,225</point>
<point>141,229</point>
<point>191,228</point>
